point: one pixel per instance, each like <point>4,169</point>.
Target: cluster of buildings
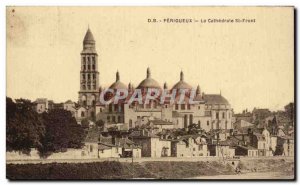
<point>209,127</point>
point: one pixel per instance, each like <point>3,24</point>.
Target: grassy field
<point>147,169</point>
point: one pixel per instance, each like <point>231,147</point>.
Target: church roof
<point>88,37</point>
<point>215,99</point>
<point>118,84</point>
<point>149,82</point>
<point>182,84</point>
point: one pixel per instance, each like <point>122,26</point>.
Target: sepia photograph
<point>150,93</point>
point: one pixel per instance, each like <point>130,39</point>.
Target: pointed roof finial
<point>117,76</point>
<point>165,85</point>
<point>148,73</point>
<point>181,76</point>
<point>198,89</point>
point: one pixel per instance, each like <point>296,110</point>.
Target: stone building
<point>212,111</point>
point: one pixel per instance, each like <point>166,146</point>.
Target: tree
<point>62,132</point>
<point>85,123</point>
<point>24,126</point>
<point>100,124</point>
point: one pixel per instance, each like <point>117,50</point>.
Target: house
<point>242,124</point>
<point>223,149</point>
<point>246,151</point>
<point>262,141</point>
<point>189,146</point>
<point>151,144</point>
<point>285,146</point>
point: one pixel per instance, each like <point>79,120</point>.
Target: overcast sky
<point>251,63</point>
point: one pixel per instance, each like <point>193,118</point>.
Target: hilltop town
<point>207,128</point>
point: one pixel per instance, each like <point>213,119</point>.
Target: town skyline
<point>121,45</point>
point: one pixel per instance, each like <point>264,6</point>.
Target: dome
<point>88,38</point>
<point>149,82</point>
<point>118,84</point>
<point>182,84</point>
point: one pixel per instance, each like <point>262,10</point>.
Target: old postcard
<point>150,93</point>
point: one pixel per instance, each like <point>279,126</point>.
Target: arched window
<point>82,114</point>
<point>83,76</point>
<point>130,123</point>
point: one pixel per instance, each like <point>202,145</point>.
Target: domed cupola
<point>117,84</point>
<point>149,82</point>
<point>182,84</point>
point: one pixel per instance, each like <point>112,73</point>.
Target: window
<point>182,106</point>
<point>82,114</point>
<point>94,87</point>
<point>89,76</point>
<point>200,147</point>
<point>113,119</point>
<point>110,108</point>
<point>108,118</point>
<point>199,107</point>
<point>217,115</point>
<point>223,115</point>
<point>89,67</point>
<point>130,123</point>
<point>91,148</point>
<point>93,67</point>
<point>176,106</point>
<point>207,123</point>
<point>199,124</point>
<point>83,76</point>
<point>194,149</point>
<point>189,107</point>
<point>89,87</point>
<point>84,102</point>
<point>94,76</point>
<point>119,119</point>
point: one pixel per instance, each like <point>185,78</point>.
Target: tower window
<point>94,87</point>
<point>84,68</point>
<point>207,123</point>
<point>94,67</point>
<point>217,115</point>
<point>89,67</point>
<point>176,106</point>
<point>83,87</point>
<point>94,76</point>
<point>93,59</point>
<point>82,114</point>
<point>89,87</point>
<point>182,106</point>
<point>89,76</point>
<point>83,76</point>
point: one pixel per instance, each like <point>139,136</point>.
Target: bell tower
<point>89,75</point>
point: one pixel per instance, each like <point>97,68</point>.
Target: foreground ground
<point>268,168</point>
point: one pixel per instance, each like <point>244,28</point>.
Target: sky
<point>251,64</point>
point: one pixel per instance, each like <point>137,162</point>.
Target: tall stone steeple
<point>89,75</point>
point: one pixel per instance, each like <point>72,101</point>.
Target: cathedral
<point>211,112</point>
